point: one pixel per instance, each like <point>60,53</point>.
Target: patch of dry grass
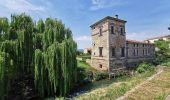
<point>157,88</point>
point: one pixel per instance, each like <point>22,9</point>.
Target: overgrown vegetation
<point>44,51</point>
<point>87,74</point>
<point>114,88</point>
<point>166,63</point>
<point>162,52</point>
<point>143,67</point>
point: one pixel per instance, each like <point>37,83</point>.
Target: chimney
<point>116,16</point>
<point>169,28</point>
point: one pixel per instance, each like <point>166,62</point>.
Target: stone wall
<point>99,64</point>
<point>97,61</point>
<point>139,52</point>
<point>136,50</point>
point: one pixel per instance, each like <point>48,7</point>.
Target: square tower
<point>108,44</point>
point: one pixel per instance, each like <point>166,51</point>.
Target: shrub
<point>166,64</point>
<point>99,75</point>
<point>143,67</point>
<point>83,76</point>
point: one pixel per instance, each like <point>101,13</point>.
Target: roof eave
<point>105,18</point>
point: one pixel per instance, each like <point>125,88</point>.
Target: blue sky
<point>145,18</point>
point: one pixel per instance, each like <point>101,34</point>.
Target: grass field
<point>156,89</point>
<point>85,66</point>
<point>111,89</point>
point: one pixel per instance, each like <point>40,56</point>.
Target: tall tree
<point>45,52</point>
<point>56,63</point>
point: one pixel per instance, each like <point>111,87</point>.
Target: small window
<point>137,52</point>
<point>122,31</point>
<point>127,52</point>
<point>100,65</point>
<point>143,52</point>
<point>100,51</point>
<point>123,52</point>
<point>134,53</point>
<point>112,29</point>
<point>100,32</point>
<point>113,51</point>
<point>134,45</point>
<point>94,53</point>
<point>137,45</point>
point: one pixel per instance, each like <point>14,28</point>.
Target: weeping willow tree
<point>55,64</point>
<point>45,51</point>
<point>4,77</point>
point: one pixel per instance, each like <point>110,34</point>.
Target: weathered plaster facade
<point>111,51</point>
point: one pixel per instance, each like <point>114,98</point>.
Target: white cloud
<point>83,38</point>
<point>83,41</point>
<point>99,4</point>
<point>20,6</point>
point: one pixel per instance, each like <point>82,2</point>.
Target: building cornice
<point>108,17</point>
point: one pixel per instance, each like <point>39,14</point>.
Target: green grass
<point>83,65</point>
<point>111,89</point>
<point>161,96</point>
<point>84,57</point>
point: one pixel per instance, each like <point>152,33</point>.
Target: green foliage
<point>100,75</point>
<point>4,24</point>
<point>143,67</point>
<point>87,74</point>
<point>40,26</point>
<point>45,51</point>
<point>162,51</point>
<point>79,52</point>
<point>4,74</point>
<point>166,63</point>
<point>55,65</point>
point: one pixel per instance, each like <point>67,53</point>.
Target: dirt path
<point>159,71</point>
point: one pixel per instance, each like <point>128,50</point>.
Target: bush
<point>143,67</point>
<point>166,64</point>
<point>84,76</point>
<point>99,75</point>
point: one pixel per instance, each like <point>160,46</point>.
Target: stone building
<point>87,51</point>
<point>111,51</point>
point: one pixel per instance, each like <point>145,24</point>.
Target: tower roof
<point>108,17</point>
